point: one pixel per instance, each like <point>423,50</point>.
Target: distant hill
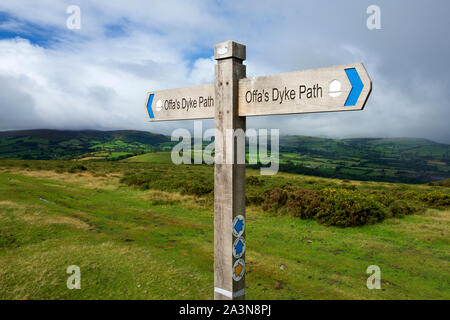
<point>409,160</point>
<point>64,144</point>
<point>378,159</point>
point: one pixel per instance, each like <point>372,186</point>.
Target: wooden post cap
<point>229,49</point>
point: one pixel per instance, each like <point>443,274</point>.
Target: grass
<point>113,235</point>
<point>154,157</point>
<point>158,244</point>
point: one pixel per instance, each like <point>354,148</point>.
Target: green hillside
<point>390,159</point>
<point>404,160</point>
<point>55,144</point>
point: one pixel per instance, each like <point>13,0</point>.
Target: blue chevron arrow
<point>239,247</point>
<point>357,87</point>
<point>149,106</point>
<point>238,226</point>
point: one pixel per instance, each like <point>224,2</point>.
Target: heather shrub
<point>192,184</point>
<point>77,168</point>
<point>346,209</point>
<point>400,208</point>
<point>337,207</point>
<point>304,203</point>
<point>197,188</point>
<point>275,199</point>
<point>254,181</point>
<point>254,198</point>
<point>435,199</point>
<point>349,187</point>
<point>384,198</point>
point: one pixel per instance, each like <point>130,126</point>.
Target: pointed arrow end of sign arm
<point>367,83</point>
<point>357,87</point>
<point>361,86</point>
<point>149,106</point>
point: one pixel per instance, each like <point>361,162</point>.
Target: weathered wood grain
<point>229,179</point>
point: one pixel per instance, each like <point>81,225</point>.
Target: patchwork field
<point>154,240</point>
<point>405,160</point>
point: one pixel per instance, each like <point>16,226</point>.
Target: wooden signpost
<point>229,101</point>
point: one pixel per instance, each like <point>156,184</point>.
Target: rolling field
<point>87,144</point>
<point>154,157</point>
<point>157,242</point>
<point>404,160</point>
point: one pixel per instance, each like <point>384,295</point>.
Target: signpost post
<point>229,101</point>
<point>229,178</point>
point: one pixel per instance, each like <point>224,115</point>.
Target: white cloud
<point>91,87</point>
<point>98,77</point>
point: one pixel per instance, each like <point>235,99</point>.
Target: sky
<point>97,77</point>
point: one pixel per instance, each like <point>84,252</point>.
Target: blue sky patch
<point>12,27</point>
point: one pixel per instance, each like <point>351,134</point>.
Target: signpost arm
<point>229,178</point>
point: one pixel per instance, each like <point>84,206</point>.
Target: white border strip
<point>226,293</point>
<point>229,294</point>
